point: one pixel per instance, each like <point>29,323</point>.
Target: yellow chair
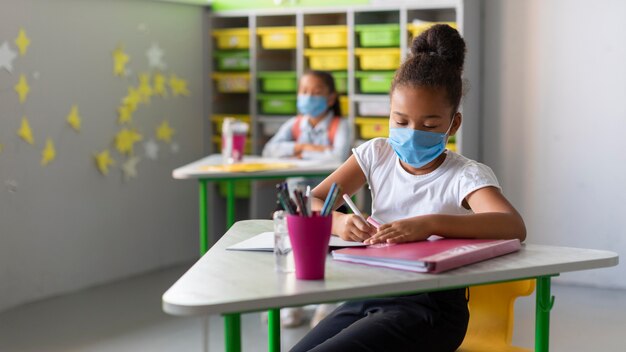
<point>492,309</point>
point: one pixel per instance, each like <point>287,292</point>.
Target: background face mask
<point>312,105</point>
<point>417,148</point>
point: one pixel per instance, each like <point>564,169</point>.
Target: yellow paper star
<point>178,86</point>
<point>159,85</point>
<point>145,90</point>
<point>103,161</point>
<point>125,139</point>
<point>120,59</point>
<point>22,41</point>
<point>132,99</point>
<point>74,118</point>
<point>22,88</point>
<point>25,132</point>
<point>124,114</point>
<point>49,153</point>
<point>164,132</point>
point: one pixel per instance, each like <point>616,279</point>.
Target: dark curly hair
<point>436,61</point>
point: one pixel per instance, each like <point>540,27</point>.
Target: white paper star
<point>7,56</point>
<point>11,185</point>
<point>155,57</point>
<point>142,27</point>
<point>152,149</point>
<point>129,168</point>
<point>174,147</point>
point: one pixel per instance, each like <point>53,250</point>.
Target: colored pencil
<point>328,197</point>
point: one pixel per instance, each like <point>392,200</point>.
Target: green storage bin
<point>280,104</point>
<point>341,81</point>
<point>279,81</point>
<point>242,189</point>
<point>232,60</point>
<point>378,35</point>
<point>375,81</point>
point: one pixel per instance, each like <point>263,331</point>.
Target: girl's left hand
<point>406,230</point>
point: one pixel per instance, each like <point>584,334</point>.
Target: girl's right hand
<point>351,228</point>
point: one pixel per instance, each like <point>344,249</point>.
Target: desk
<point>221,282</point>
<point>301,168</point>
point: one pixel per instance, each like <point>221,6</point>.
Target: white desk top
<point>300,168</point>
<point>232,281</point>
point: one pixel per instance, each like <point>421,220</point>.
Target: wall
<point>554,121</point>
<point>65,226</point>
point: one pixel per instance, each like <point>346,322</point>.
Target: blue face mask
<point>417,148</point>
<point>312,105</point>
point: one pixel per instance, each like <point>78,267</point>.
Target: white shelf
<point>371,97</point>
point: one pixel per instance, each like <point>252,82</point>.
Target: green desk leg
<point>232,332</point>
<point>204,230</point>
<point>543,306</point>
<point>230,203</point>
<point>273,322</point>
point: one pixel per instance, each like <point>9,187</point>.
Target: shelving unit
<point>364,84</point>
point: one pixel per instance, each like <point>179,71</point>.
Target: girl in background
<point>318,131</point>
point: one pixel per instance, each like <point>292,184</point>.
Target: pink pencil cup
<point>309,241</point>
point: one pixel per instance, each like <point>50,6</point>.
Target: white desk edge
<point>181,299</point>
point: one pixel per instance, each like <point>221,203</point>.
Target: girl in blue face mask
<point>318,131</point>
<point>418,189</point>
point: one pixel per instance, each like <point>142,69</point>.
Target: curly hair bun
<point>443,41</point>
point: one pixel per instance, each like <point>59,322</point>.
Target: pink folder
<point>432,256</point>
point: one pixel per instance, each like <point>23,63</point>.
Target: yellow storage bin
<point>232,38</point>
<point>378,59</point>
<point>277,37</point>
<point>372,127</point>
<point>417,27</point>
<point>232,82</point>
<point>217,140</point>
<point>327,36</point>
<point>327,59</point>
<point>218,119</point>
<point>344,104</point>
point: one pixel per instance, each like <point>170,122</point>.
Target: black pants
<point>435,321</point>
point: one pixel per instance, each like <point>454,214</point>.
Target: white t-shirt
<point>397,194</point>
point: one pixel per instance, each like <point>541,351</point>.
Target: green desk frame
<point>543,306</point>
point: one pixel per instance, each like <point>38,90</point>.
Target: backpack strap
<point>332,128</point>
<point>295,128</point>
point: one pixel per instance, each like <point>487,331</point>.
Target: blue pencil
<point>327,204</point>
<point>333,200</point>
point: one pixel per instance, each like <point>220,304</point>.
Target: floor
<point>127,316</point>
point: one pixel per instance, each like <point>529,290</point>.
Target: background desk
<point>221,282</point>
<point>304,168</point>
